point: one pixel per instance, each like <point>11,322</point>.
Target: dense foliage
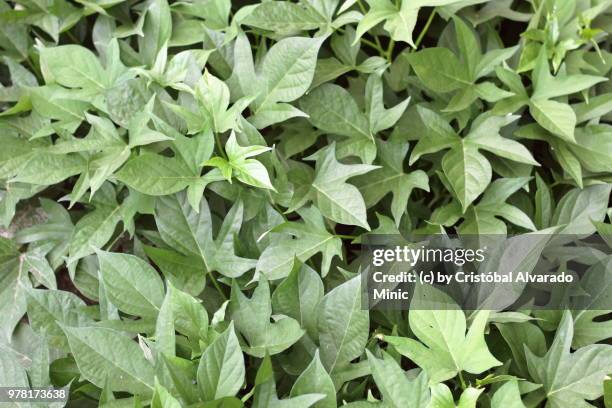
<point>185,186</point>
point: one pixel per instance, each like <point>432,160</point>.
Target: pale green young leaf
<point>446,348</point>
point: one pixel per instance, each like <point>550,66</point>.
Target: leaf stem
<point>390,50</point>
<point>72,37</point>
<point>275,206</point>
<point>215,284</point>
<point>424,30</point>
<point>361,7</point>
<point>463,386</point>
<point>377,45</point>
<point>248,395</point>
<point>37,74</point>
<point>219,145</point>
<point>365,41</point>
<point>114,241</point>
<point>373,45</point>
<point>346,236</point>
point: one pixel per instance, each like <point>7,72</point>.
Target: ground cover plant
<point>185,186</point>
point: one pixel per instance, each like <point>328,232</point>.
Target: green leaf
<point>579,207</point>
<point>48,309</point>
<point>190,317</point>
<point>446,348</point>
<point>107,357</point>
<point>588,327</point>
<point>439,69</point>
<point>163,399</point>
<point>315,380</point>
<point>286,73</point>
<point>607,393</point>
<point>284,17</point>
<point>570,378</point>
<point>131,284</point>
<point>298,296</point>
<point>508,395</point>
<point>165,342</point>
<point>266,396</point>
<point>521,335</point>
<point>333,110</point>
<point>300,240</point>
<point>12,294</point>
<point>288,68</point>
<point>399,23</point>
<point>338,200</point>
<point>396,389</point>
<point>156,175</point>
<point>187,273</point>
<point>441,397</point>
<point>12,373</point>
<point>46,168</point>
<point>221,369</point>
<point>469,173</point>
<point>252,320</point>
<point>157,28</point>
<point>391,178</point>
<point>93,231</point>
<point>190,232</point>
<point>547,86</point>
<point>343,326</point>
<point>556,117</point>
<point>380,118</point>
<point>73,66</point>
<point>485,135</point>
